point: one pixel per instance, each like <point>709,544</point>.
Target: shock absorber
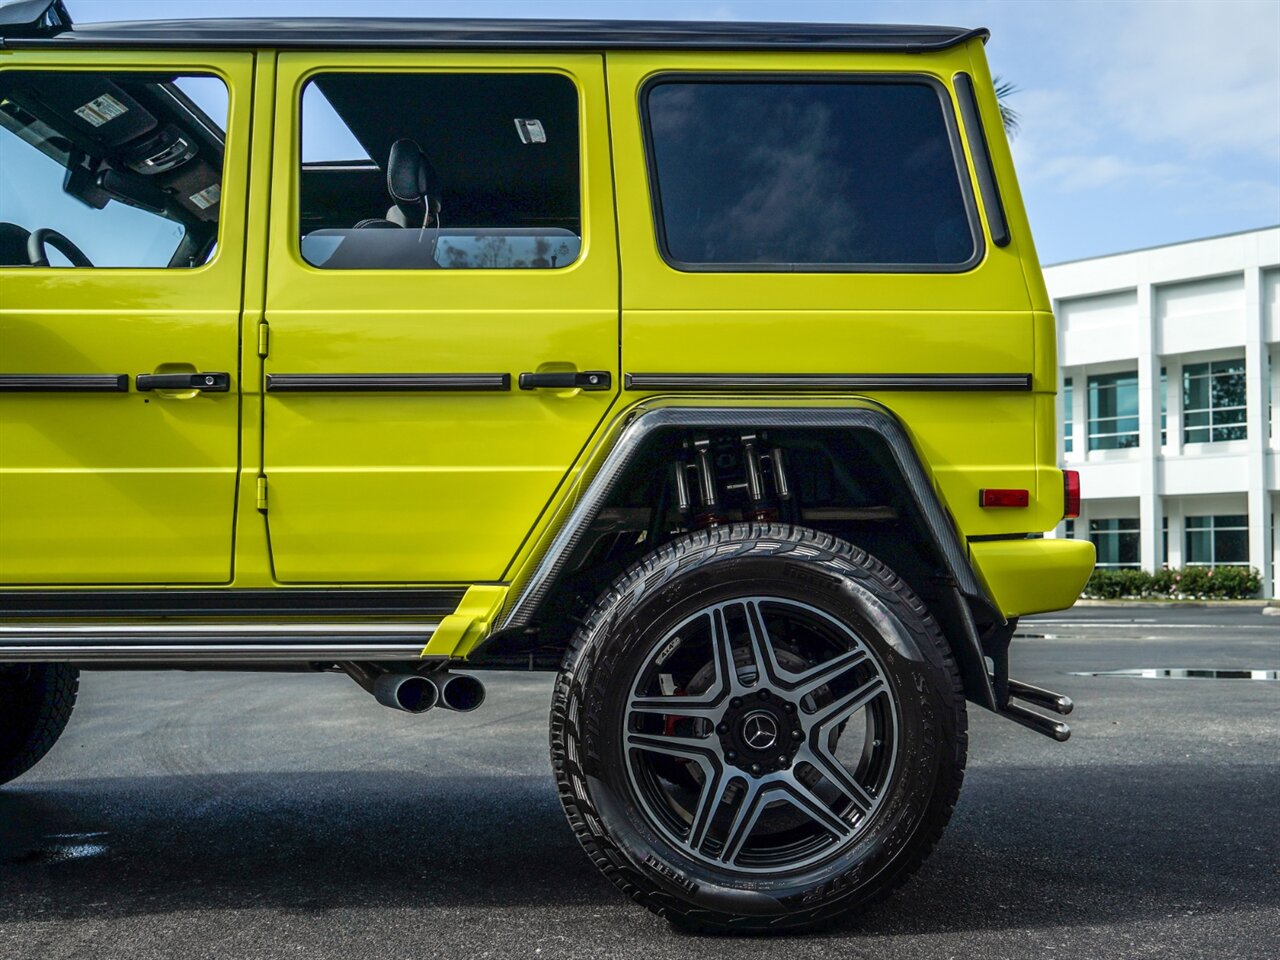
<point>708,494</point>
<point>759,508</point>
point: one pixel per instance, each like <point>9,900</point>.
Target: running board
<point>1038,696</point>
<point>214,642</point>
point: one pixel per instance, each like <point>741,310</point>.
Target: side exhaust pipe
<point>406,691</point>
<point>457,691</point>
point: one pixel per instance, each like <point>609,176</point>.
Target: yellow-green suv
<point>710,365</point>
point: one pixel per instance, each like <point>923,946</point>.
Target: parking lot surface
<point>267,815</point>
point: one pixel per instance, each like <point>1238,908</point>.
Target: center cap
<point>760,730</point>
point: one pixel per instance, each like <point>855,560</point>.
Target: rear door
<point>137,161</point>
<point>443,334</point>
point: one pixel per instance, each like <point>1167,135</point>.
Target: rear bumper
<point>1033,576</point>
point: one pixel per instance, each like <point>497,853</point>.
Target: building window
<point>1113,411</point>
<point>1164,406</point>
<point>1068,397</point>
<point>1217,540</point>
<point>1070,530</point>
<point>1213,401</point>
<point>1118,542</point>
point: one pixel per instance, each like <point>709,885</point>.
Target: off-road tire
<point>607,822</point>
<point>36,701</point>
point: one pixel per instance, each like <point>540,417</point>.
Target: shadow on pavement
<point>1029,846</point>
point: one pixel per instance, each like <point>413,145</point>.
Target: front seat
<point>414,187</point>
<point>13,245</point>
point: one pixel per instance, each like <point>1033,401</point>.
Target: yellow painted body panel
<point>393,489</point>
<point>1033,576</point>
<point>129,487</point>
<point>438,486</point>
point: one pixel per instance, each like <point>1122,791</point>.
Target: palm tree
<point>1008,116</point>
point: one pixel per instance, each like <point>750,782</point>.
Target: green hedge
<point>1189,583</point>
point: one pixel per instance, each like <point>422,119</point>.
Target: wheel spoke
<point>676,706</point>
<point>813,680</point>
<point>744,821</point>
<point>762,646</point>
<point>689,748</point>
<point>833,770</point>
<point>846,706</point>
<point>717,784</point>
<point>806,801</point>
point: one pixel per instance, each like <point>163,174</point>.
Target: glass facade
<point>1113,411</point>
<point>1217,540</point>
<point>1068,397</point>
<point>1213,401</point>
<point>1118,542</point>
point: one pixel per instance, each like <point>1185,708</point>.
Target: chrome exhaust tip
<point>458,691</point>
<point>409,692</point>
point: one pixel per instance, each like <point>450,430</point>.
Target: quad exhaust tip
<point>409,692</point>
<point>458,691</point>
<point>420,692</point>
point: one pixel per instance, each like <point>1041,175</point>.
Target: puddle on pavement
<point>1165,673</point>
<point>63,848</point>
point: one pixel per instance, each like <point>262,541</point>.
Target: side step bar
<point>1039,697</point>
<point>214,642</point>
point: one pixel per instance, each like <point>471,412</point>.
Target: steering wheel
<point>46,236</point>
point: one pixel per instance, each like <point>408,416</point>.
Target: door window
<point>440,171</point>
<point>109,169</point>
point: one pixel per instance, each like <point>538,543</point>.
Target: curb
<point>1268,607</point>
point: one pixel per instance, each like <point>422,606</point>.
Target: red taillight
<point>1003,498</point>
<point>1070,494</point>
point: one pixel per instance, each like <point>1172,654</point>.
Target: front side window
<point>1113,411</point>
<point>1118,542</point>
<point>109,169</point>
<point>1216,540</point>
<point>440,171</point>
<point>1213,401</point>
<point>770,173</point>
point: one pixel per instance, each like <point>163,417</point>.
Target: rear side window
<point>769,173</point>
<point>440,171</point>
<point>116,169</point>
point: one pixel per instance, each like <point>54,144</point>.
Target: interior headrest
<point>13,245</point>
<point>412,181</point>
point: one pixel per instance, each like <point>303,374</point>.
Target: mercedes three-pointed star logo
<point>760,731</point>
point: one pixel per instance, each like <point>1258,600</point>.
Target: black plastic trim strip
<point>214,602</point>
<point>64,383</point>
<point>981,150</point>
<point>799,76</point>
<point>824,382</point>
<point>387,33</point>
<point>388,382</point>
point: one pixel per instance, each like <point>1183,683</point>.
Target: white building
<point>1169,402</point>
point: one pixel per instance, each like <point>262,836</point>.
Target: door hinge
<point>264,339</point>
<point>262,494</point>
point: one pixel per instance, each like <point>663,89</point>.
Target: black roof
<point>387,33</point>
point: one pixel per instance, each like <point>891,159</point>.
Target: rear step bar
<point>214,642</point>
<point>1038,696</point>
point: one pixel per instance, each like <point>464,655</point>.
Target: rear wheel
<point>758,727</point>
<point>36,701</point>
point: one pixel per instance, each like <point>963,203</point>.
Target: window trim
<point>825,76</point>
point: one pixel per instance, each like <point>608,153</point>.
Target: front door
<point>442,303</point>
<point>122,186</point>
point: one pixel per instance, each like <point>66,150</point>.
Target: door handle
<point>567,380</point>
<point>207,382</point>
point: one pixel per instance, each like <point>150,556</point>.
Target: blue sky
<point>1143,121</point>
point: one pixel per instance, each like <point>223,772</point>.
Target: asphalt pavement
<point>228,815</point>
